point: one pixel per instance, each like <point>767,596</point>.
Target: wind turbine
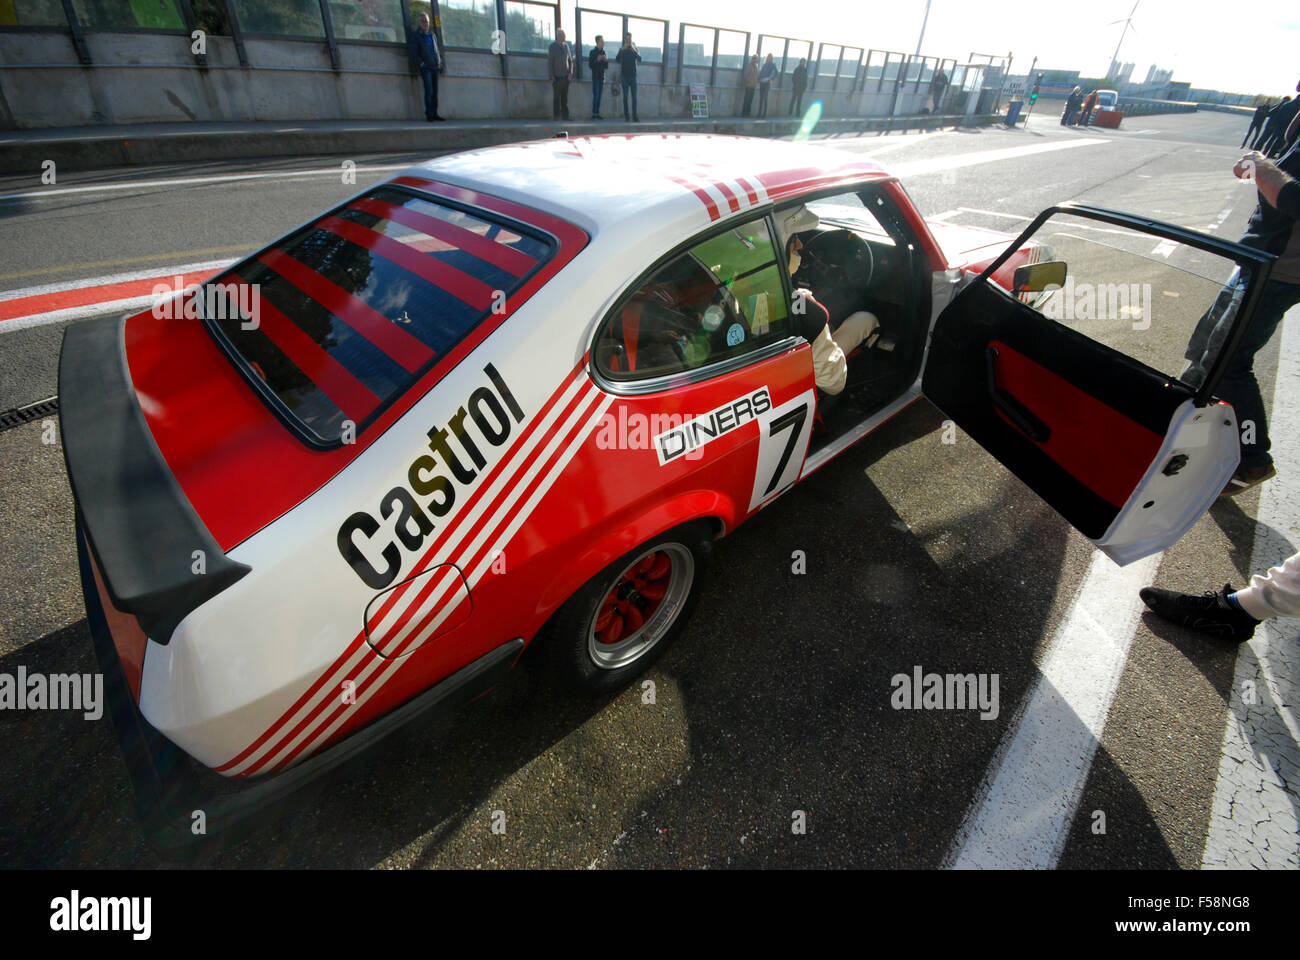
<point>1128,23</point>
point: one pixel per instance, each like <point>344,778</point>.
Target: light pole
<point>924,21</point>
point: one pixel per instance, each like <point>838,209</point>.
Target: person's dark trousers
<point>560,98</point>
<point>629,98</point>
<point>796,103</point>
<point>762,99</point>
<point>749,102</point>
<point>1256,129</point>
<point>429,80</point>
<point>597,88</point>
<point>1239,386</point>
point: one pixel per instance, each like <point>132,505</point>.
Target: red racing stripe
<point>347,393</point>
<point>489,251</point>
<point>727,192</point>
<point>749,190</point>
<point>371,324</point>
<point>380,675</point>
<point>459,284</point>
<point>699,192</point>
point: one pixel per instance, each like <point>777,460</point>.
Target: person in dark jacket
<point>426,55</point>
<point>1275,131</point>
<point>628,57</point>
<point>559,59</point>
<point>1275,228</point>
<point>1072,103</point>
<point>798,84</point>
<point>938,87</point>
<point>1257,125</point>
<point>598,62</point>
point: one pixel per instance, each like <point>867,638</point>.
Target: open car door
<point>1093,381</point>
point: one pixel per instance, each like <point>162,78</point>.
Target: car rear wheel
<point>626,616</point>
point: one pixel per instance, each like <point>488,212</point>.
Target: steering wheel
<point>844,256</point>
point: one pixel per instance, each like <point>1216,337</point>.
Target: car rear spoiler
<point>138,522</point>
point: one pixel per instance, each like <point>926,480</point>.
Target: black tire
<point>583,659</point>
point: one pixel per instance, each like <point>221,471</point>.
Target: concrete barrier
<point>96,148</point>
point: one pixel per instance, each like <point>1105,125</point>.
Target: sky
<point>1240,48</point>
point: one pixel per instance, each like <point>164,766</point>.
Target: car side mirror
<point>1036,277</point>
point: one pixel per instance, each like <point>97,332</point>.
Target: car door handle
<point>1015,411</point>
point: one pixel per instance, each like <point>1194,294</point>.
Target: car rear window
<point>336,321</point>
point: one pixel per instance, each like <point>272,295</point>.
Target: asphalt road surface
<point>775,705</point>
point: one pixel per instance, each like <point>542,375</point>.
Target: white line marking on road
<point>946,215</point>
<point>1218,221</point>
<point>994,213</point>
<point>187,181</point>
<point>1254,821</point>
<point>956,161</point>
<point>1164,248</point>
<point>148,274</point>
<point>1022,814</point>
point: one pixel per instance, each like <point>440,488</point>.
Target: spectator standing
<point>798,84</point>
<point>1274,227</point>
<point>428,58</point>
<point>1072,103</point>
<point>628,57</point>
<point>1089,105</point>
<point>751,84</point>
<point>1257,125</point>
<point>1275,131</point>
<point>765,78</point>
<point>938,87</point>
<point>598,62</point>
<point>559,59</point>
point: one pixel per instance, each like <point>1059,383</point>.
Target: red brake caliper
<point>634,598</point>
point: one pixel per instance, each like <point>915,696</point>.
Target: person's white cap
<point>797,221</point>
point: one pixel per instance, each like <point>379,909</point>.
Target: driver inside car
<point>830,347</point>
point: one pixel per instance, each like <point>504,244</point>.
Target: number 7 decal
<point>783,434</point>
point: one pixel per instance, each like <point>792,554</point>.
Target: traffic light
<point>1033,94</point>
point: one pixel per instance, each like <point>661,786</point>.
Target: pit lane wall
<point>152,76</point>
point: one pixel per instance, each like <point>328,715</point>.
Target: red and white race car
<point>517,393</point>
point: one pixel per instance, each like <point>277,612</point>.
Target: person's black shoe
<point>1247,477</point>
<point>1210,613</point>
<point>441,119</point>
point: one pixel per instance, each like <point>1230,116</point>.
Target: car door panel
<point>1127,455</point>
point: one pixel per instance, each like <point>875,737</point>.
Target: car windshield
<point>336,321</point>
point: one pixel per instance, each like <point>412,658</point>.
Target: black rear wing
<point>138,522</point>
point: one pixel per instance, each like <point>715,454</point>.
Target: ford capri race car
<point>516,394</point>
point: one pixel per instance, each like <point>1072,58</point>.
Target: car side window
<point>720,299</point>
